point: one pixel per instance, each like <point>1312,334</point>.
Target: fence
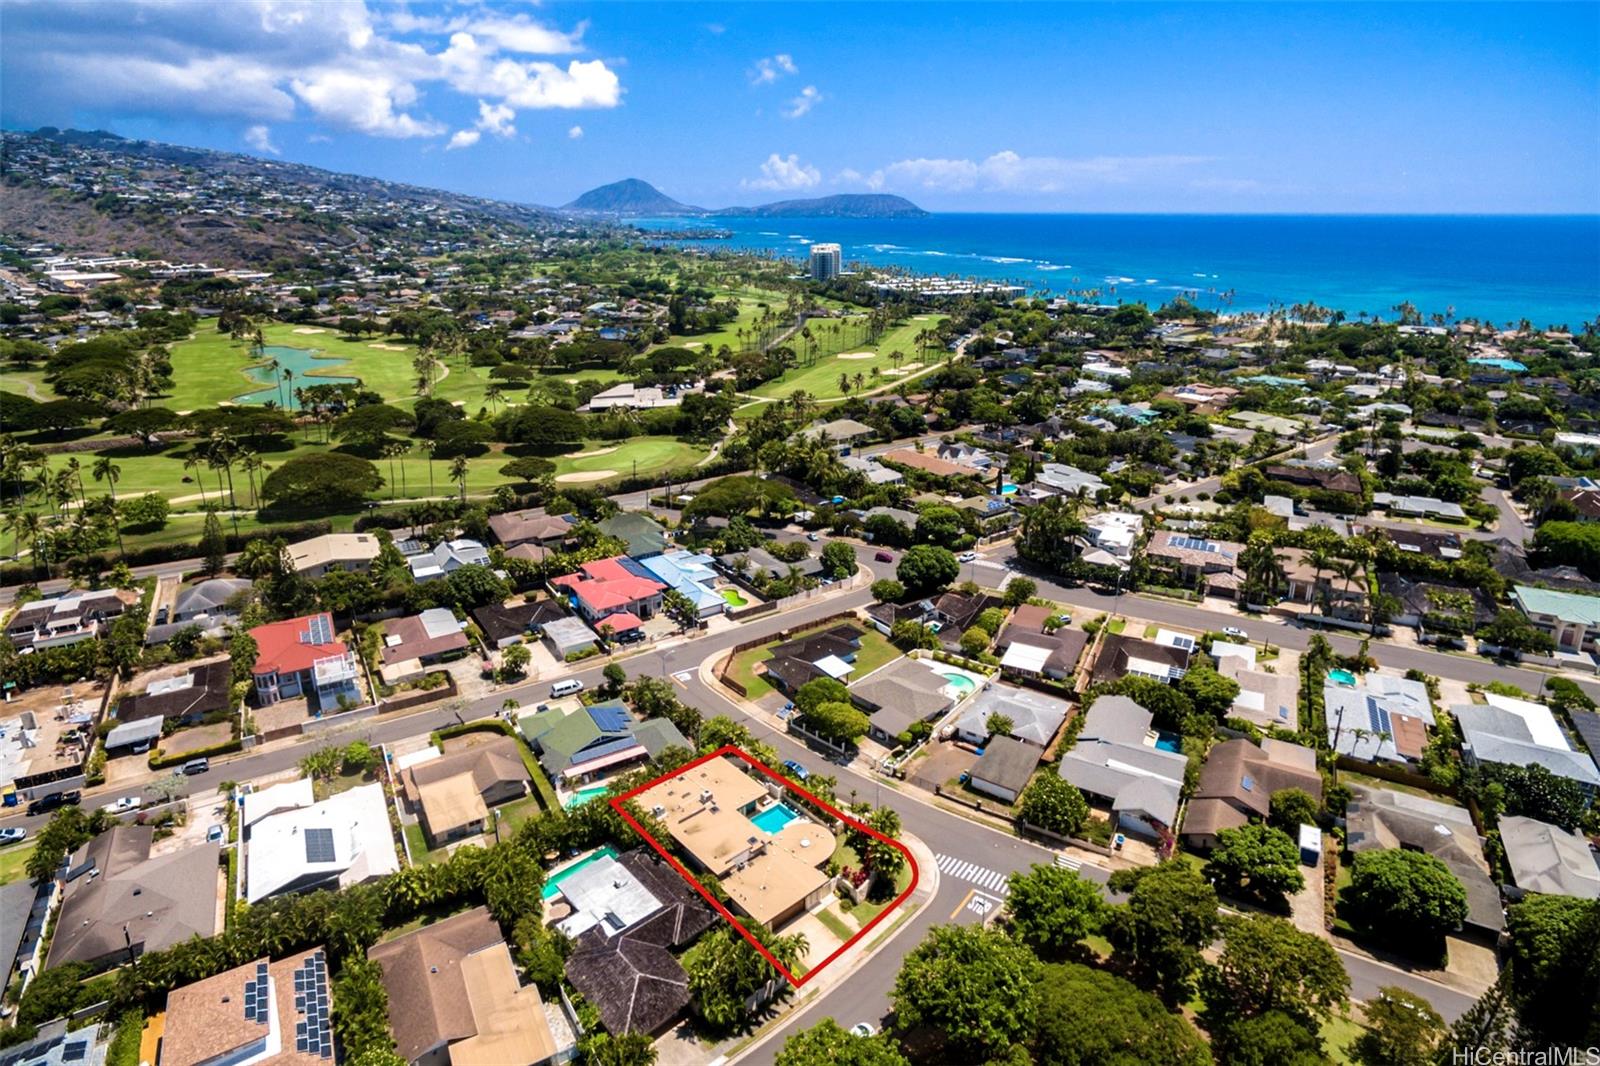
<point>1062,838</point>
<point>721,671</point>
<point>1394,774</point>
<point>418,697</point>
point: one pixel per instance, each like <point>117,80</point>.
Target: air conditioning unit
<point>705,795</point>
<point>658,810</point>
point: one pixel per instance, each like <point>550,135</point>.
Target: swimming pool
<point>734,597</point>
<point>552,887</point>
<point>961,683</point>
<point>584,795</point>
<point>1342,677</point>
<point>775,818</point>
<point>1008,489</point>
<point>1169,742</point>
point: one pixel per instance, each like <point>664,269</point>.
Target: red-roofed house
<point>301,657</point>
<point>613,587</point>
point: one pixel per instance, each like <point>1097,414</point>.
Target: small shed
<point>1310,845</point>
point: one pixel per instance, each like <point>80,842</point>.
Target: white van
<point>570,687</point>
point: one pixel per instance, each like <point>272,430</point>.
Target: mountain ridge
<point>634,196</point>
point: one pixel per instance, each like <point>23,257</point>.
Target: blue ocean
<point>1501,268</point>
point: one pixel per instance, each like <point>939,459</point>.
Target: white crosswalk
<point>992,880</point>
<point>1069,862</point>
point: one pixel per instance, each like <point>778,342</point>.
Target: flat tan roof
<point>702,812</point>
<point>772,883</point>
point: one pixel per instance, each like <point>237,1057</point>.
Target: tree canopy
<point>1407,896</point>
<point>976,987</point>
<point>1088,1017</point>
<point>1052,909</point>
<point>326,480</point>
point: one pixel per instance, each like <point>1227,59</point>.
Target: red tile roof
<point>622,621</point>
<point>606,585</point>
<point>282,647</point>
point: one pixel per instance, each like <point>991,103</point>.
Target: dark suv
<point>45,804</point>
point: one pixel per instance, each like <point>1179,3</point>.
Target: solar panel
<point>75,1051</point>
<point>319,845</point>
<point>609,717</point>
<point>1248,783</point>
<point>318,631</point>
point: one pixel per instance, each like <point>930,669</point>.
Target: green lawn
<point>209,368</point>
<point>875,651</point>
<point>18,381</point>
<point>1338,1033</point>
<point>863,912</point>
<point>14,860</point>
<point>644,455</point>
<point>819,375</point>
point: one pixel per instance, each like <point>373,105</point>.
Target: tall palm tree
<point>458,473</point>
<point>26,527</point>
<point>844,384</point>
<point>860,380</point>
<point>107,471</point>
<point>75,478</point>
<point>252,465</point>
<point>389,451</point>
<point>288,382</point>
<point>194,462</point>
<point>431,448</point>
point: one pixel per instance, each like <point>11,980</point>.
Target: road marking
<point>1069,862</point>
<point>993,880</point>
<point>963,904</point>
<point>981,904</point>
<point>683,676</point>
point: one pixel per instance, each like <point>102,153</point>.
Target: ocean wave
<point>774,233</point>
<point>1003,259</point>
<point>886,247</point>
<point>1151,281</point>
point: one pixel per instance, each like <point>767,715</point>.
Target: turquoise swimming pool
<point>584,795</point>
<point>1342,677</point>
<point>1169,742</point>
<point>961,683</point>
<point>552,887</point>
<point>775,818</point>
<point>1008,489</point>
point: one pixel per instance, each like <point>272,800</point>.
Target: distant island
<point>632,196</point>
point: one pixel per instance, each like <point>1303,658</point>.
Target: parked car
<point>884,557</point>
<point>215,834</point>
<point>811,537</point>
<point>161,615</point>
<point>1235,633</point>
<point>196,766</point>
<point>47,803</point>
<point>12,836</point>
<point>863,1029</point>
<point>798,772</point>
<point>124,805</point>
<point>967,557</point>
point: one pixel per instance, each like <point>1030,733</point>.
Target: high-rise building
<point>825,262</point>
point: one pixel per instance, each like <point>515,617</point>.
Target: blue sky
<point>1201,107</point>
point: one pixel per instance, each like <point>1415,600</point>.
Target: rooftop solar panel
<point>319,845</point>
<point>609,717</point>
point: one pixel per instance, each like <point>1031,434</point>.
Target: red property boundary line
<point>729,749</point>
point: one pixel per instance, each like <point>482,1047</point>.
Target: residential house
<point>455,792</point>
<point>875,472</point>
<point>301,657</point>
<point>627,395</point>
<point>24,910</point>
<point>1059,479</point>
<point>1418,507</point>
<point>413,642</point>
<point>1053,655</point>
<point>1436,607</point>
<point>1435,544</point>
<point>930,464</point>
<point>1547,859</point>
<point>1005,768</point>
<point>617,592</point>
<point>446,558</point>
<point>1035,717</point>
<point>118,901</point>
<point>1507,731</point>
<point>533,526</point>
<point>956,610</point>
<point>773,877</point>
<point>691,575</point>
<point>455,998</point>
<point>630,975</point>
<point>644,535</point>
<point>52,1044</point>
<point>1197,561</point>
<point>758,562</point>
<point>1377,717</point>
<point>1572,620</point>
<point>343,840</point>
<point>1116,761</point>
<point>574,745</point>
<point>994,513</point>
<point>66,619</point>
<point>1121,655</point>
<point>1329,480</point>
<point>506,624</point>
<point>1237,784</point>
<point>207,601</point>
<point>827,653</point>
<point>898,696</point>
<point>1265,699</point>
<point>1305,583</point>
<point>314,558</point>
<point>884,616</point>
<point>1116,533</point>
<point>568,636</point>
<point>263,1013</point>
<point>838,431</point>
<point>186,696</point>
<point>1379,819</point>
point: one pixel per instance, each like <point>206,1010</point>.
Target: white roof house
<point>285,797</point>
<point>344,840</point>
<point>605,894</point>
<point>446,557</point>
<point>1546,858</point>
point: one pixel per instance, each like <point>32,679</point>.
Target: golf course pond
<point>306,367</point>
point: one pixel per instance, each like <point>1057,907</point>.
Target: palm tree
<point>844,384</point>
<point>194,462</point>
<point>492,394</point>
<point>458,473</point>
<point>288,381</point>
<point>27,527</point>
<point>252,464</point>
<point>389,451</point>
<point>107,471</point>
<point>272,368</point>
<point>430,447</point>
<point>75,478</point>
<point>860,379</point>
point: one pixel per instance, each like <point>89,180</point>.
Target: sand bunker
<point>385,347</point>
<point>859,355</point>
<point>597,451</point>
<point>308,329</point>
<point>907,369</point>
<point>586,475</point>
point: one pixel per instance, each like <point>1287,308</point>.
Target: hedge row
<point>23,573</point>
<point>160,760</point>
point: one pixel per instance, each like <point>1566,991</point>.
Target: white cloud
<point>772,68</point>
<point>496,119</point>
<point>376,71</point>
<point>260,138</point>
<point>809,97</point>
<point>1008,171</point>
<point>463,139</point>
<point>575,133</point>
<point>784,172</point>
